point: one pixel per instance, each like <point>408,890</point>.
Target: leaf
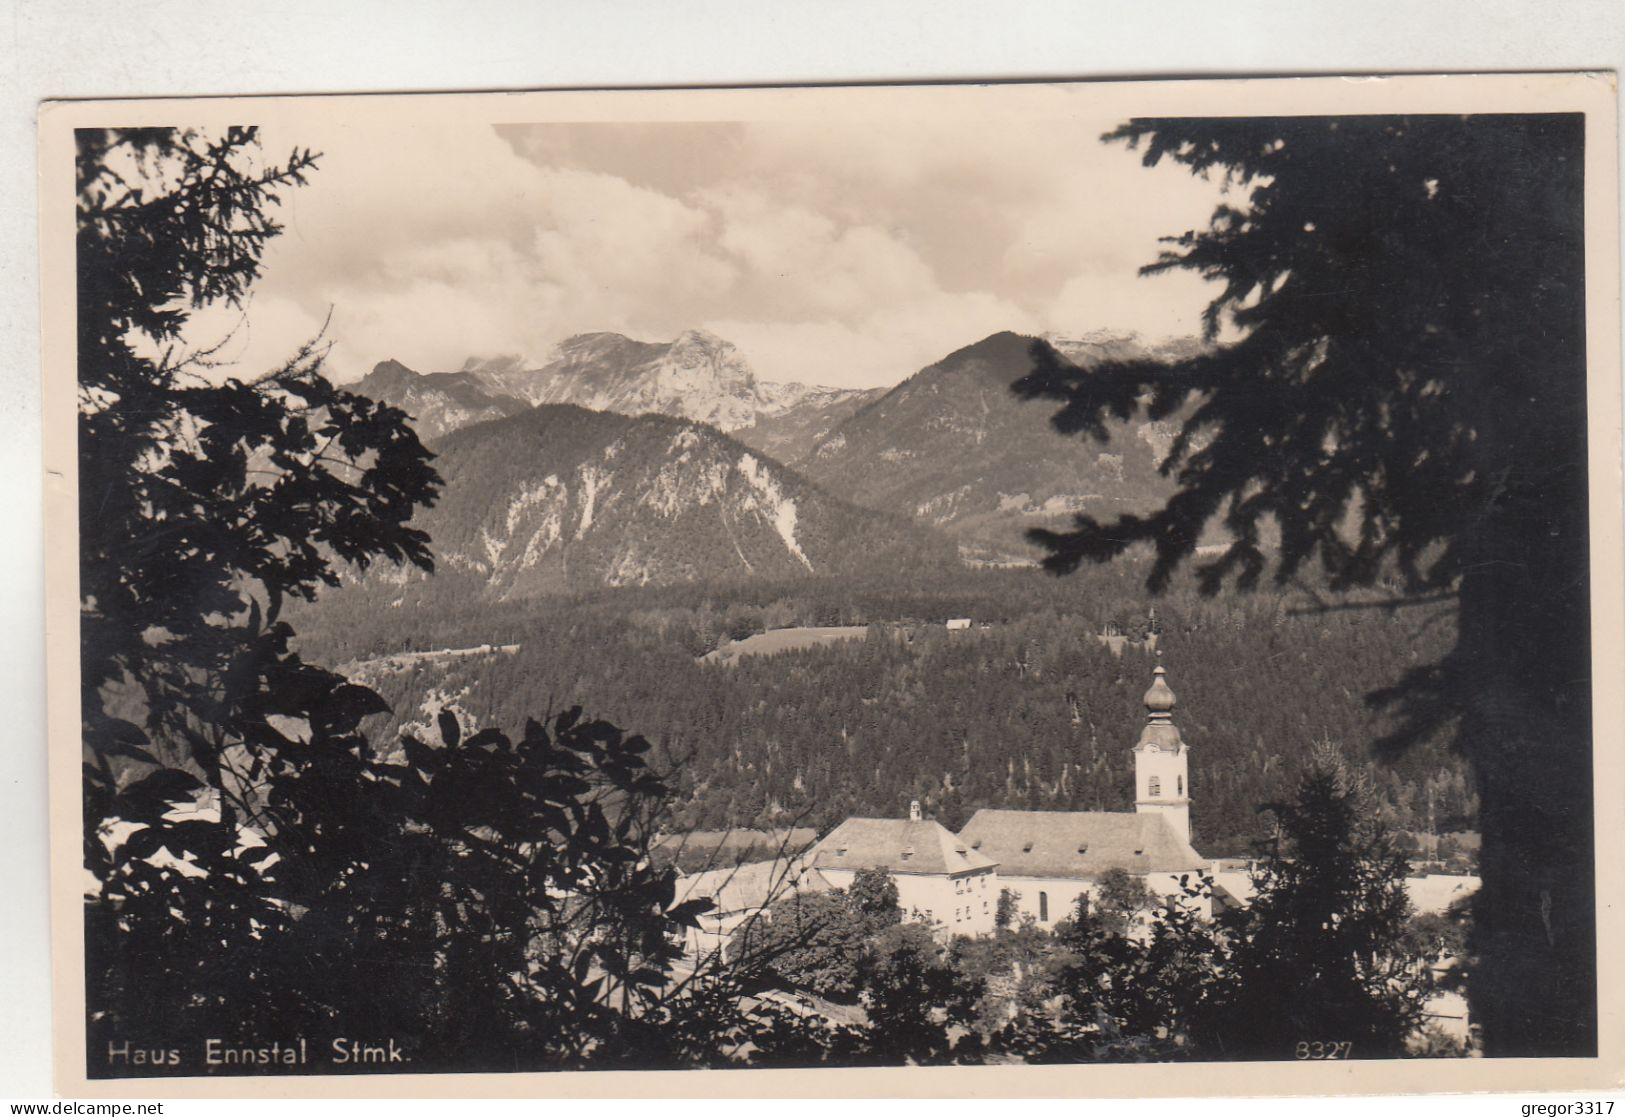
<point>419,755</point>
<point>162,788</point>
<point>344,707</point>
<point>488,738</point>
<point>450,731</point>
<point>116,736</point>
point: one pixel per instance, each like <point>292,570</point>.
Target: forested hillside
<point>561,499</point>
<point>953,446</point>
<point>1030,709</point>
<point>957,449</point>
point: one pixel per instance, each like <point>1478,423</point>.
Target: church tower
<point>1161,776</point>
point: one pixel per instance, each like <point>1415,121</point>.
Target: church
<point>1045,859</point>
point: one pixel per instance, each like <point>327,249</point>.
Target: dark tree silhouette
<point>1324,951</point>
<point>1406,402</point>
<point>913,994</point>
<point>1005,913</point>
<point>511,881</point>
<point>814,941</point>
<point>488,902</point>
<point>1135,997</point>
<point>206,503</point>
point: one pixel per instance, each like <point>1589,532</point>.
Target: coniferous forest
<point>1030,708</point>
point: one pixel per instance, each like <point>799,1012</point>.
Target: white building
<point>938,876</point>
<point>1050,858</point>
<point>1047,859</point>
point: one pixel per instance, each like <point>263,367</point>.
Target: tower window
<point>1153,786</point>
<point>1179,785</point>
<point>1043,907</point>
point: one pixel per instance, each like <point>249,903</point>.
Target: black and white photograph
<point>831,578</point>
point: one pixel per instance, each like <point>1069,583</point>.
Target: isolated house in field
<point>1050,858</point>
<point>958,624</point>
<point>938,876</point>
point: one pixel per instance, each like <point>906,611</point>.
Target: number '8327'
<point>1323,1049</point>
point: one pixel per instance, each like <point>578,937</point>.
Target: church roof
<point>1077,844</point>
<point>898,845</point>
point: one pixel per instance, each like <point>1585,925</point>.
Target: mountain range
<point>439,402</point>
<point>696,376</point>
<point>625,462</point>
<point>560,498</point>
<point>953,447</point>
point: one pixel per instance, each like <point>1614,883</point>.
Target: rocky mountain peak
<point>560,498</point>
<point>438,402</point>
<point>1005,355</point>
<point>387,373</point>
<point>599,345</point>
<point>703,341</point>
<point>706,360</point>
<point>697,375</point>
<point>953,446</point>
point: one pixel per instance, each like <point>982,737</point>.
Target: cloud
<point>1167,305</point>
<point>830,253</point>
<point>877,349</point>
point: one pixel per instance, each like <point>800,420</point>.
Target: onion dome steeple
<point>1161,763</point>
<point>1160,730</point>
<point>1160,700</point>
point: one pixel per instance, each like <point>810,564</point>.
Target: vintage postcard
<point>1104,589</point>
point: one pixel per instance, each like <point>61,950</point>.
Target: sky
<point>827,252</point>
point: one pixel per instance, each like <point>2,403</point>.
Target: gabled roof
<point>750,886</point>
<point>898,845</point>
<point>1078,843</point>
